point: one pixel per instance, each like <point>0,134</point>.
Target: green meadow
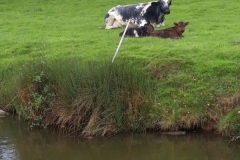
<point>56,68</point>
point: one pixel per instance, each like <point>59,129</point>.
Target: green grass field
<point>196,79</point>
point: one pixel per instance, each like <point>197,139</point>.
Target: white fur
<point>135,33</point>
<point>145,8</point>
<point>142,22</point>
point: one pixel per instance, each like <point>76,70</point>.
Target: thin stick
<point>120,41</point>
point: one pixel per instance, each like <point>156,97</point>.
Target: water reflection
<point>7,150</point>
<point>17,142</point>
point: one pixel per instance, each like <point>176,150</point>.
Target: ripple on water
<point>7,150</point>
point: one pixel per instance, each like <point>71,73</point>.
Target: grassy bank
<point>56,68</point>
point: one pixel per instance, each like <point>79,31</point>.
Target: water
<point>18,143</point>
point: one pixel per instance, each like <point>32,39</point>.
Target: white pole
<point>120,41</point>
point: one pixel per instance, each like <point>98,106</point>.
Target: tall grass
<point>91,98</point>
<point>196,78</point>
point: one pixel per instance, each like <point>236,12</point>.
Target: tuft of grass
<point>92,99</point>
<point>230,123</point>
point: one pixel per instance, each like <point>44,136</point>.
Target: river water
<point>18,143</point>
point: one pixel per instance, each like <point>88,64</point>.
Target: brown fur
<point>174,32</point>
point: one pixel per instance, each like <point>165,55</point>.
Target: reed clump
<point>88,98</point>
